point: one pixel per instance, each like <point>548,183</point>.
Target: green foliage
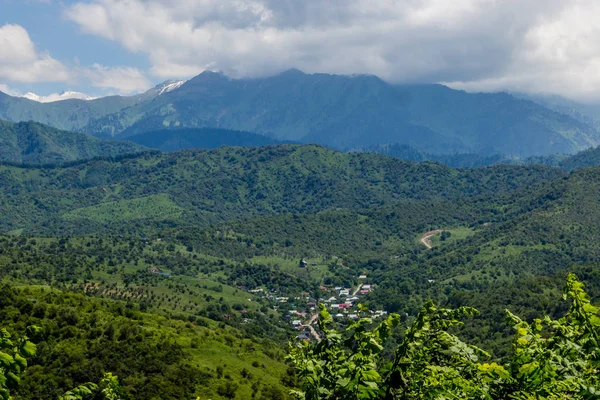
<point>109,388</point>
<point>80,392</point>
<point>564,364</point>
<point>552,359</point>
<point>13,359</point>
<point>154,207</point>
<point>80,339</point>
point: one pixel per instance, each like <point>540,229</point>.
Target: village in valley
<point>302,312</point>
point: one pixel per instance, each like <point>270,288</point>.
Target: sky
<point>102,47</point>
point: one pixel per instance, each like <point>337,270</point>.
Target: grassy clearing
<point>317,268</point>
<point>155,207</point>
<point>456,234</point>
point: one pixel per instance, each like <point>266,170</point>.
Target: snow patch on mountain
<point>66,95</point>
<point>170,86</point>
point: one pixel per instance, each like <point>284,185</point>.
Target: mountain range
<point>341,112</point>
<point>71,113</point>
<point>35,143</point>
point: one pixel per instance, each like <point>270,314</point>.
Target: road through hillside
<point>426,239</point>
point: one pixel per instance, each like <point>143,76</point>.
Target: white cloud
<point>537,45</point>
<point>57,96</point>
<point>8,90</point>
<point>21,62</point>
<point>124,79</point>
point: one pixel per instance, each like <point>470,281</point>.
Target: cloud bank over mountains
<point>546,46</point>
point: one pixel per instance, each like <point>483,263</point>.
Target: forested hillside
<point>34,143</point>
<point>204,187</point>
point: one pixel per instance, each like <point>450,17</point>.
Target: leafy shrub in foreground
<point>552,359</point>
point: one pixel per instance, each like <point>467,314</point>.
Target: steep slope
<point>203,138</point>
<point>156,357</point>
<point>351,111</point>
<point>34,143</point>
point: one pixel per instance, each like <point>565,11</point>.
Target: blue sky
<point>127,46</point>
<point>52,32</point>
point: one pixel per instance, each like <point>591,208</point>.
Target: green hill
<point>154,356</point>
<point>584,159</point>
<point>34,143</point>
<point>467,160</point>
<point>205,187</point>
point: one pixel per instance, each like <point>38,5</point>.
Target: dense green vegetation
<point>586,158</point>
<point>466,160</point>
<point>34,143</point>
<point>195,258</point>
<point>79,338</point>
<point>233,183</point>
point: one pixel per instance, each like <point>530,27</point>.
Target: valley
<point>244,243</point>
<point>191,245</point>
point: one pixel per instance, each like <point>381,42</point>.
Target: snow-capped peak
<point>170,86</point>
<point>66,95</point>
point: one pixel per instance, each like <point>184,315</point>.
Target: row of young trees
<point>551,359</point>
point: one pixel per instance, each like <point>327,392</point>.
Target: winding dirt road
<point>426,239</point>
